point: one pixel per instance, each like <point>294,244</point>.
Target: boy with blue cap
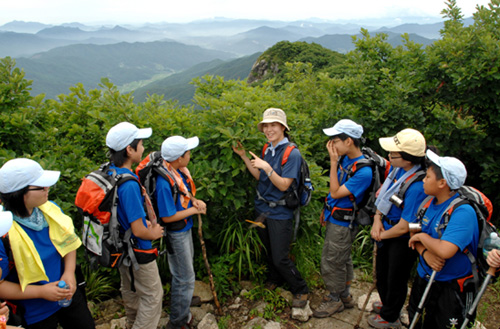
<point>336,263</point>
<point>176,214</point>
<point>442,249</point>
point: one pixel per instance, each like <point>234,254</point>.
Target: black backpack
<point>148,171</point>
<point>363,212</point>
<point>484,210</point>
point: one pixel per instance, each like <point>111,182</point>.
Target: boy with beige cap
<point>395,209</point>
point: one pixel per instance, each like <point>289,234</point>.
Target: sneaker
<point>376,321</point>
<point>348,303</point>
<point>187,325</point>
<point>300,300</point>
<point>195,301</point>
<point>376,307</point>
<point>328,307</point>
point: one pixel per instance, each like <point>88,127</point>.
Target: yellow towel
<point>28,262</point>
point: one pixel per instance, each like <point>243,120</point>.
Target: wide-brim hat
<point>273,115</point>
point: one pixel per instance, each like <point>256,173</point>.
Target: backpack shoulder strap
<point>286,154</point>
<point>415,177</point>
<point>264,149</point>
<point>424,205</point>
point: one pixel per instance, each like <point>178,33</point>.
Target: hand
<point>4,310</point>
<point>493,258</point>
<point>332,150</point>
<point>70,280</point>
<point>156,230</point>
<point>53,293</point>
<point>322,221</point>
<point>434,261</point>
<point>377,229</point>
<point>414,239</point>
<point>259,163</point>
<point>239,149</point>
<point>200,206</point>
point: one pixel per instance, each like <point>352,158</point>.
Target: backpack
<point>97,201</point>
<point>484,210</point>
<point>148,171</point>
<point>298,195</point>
<point>363,212</point>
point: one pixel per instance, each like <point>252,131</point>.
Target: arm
<point>396,231</point>
<point>69,272</point>
<point>433,260</point>
<point>152,232</point>
<point>377,226</point>
<point>242,153</point>
<point>441,248</point>
<point>49,291</point>
<point>180,215</point>
<point>282,183</point>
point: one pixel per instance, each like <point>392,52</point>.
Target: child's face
<point>136,155</point>
<point>184,159</point>
<point>431,183</point>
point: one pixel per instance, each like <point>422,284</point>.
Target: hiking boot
<point>328,307</point>
<point>195,301</point>
<point>377,306</point>
<point>187,325</point>
<point>376,321</point>
<point>348,303</point>
<point>300,300</point>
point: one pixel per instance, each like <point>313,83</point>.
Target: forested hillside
<point>449,90</point>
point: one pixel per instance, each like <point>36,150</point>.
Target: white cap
<point>174,147</point>
<point>16,174</point>
<point>123,134</point>
<point>345,126</point>
<point>453,170</point>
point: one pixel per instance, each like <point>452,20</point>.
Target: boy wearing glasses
<point>336,262</point>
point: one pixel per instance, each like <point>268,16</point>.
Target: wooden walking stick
<point>374,285</point>
<point>207,265</point>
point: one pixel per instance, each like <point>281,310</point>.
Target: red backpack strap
<point>288,150</point>
<point>264,149</point>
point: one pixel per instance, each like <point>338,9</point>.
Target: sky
<point>179,11</point>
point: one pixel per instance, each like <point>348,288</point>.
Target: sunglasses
<point>38,188</point>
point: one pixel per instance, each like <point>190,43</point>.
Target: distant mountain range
<point>150,57</point>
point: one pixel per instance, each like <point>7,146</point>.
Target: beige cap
<point>273,115</point>
<point>408,140</point>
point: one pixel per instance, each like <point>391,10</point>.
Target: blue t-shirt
<point>357,185</point>
<point>266,188</point>
<point>462,230</point>
<point>413,198</point>
<point>131,206</point>
<point>37,309</point>
<point>165,201</point>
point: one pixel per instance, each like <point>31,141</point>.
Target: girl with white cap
<point>43,247</point>
<point>274,181</point>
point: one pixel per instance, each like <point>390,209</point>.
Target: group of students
<point>397,249</point>
<point>43,242</point>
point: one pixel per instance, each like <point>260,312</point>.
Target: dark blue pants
<point>394,263</point>
<point>277,237</point>
<point>75,316</point>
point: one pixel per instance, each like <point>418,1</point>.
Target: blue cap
<point>453,170</point>
<point>345,126</point>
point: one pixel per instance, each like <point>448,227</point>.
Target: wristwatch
<point>270,173</point>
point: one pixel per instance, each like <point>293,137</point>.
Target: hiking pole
<point>491,273</point>
<point>207,265</point>
<point>374,285</point>
<point>422,301</point>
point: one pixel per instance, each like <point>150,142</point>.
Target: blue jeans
<point>182,270</point>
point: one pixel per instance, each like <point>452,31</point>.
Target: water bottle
<point>63,302</point>
<point>492,242</point>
